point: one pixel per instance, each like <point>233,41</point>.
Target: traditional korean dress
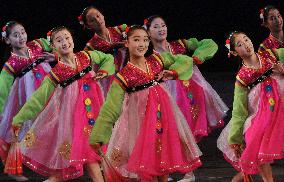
<point>19,78</point>
<point>64,110</point>
<point>201,105</point>
<point>113,46</point>
<point>151,136</point>
<point>270,43</point>
<point>257,117</point>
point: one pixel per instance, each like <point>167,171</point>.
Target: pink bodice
<point>62,72</point>
<point>98,43</point>
<point>247,75</point>
<point>16,64</point>
<point>132,76</point>
<point>178,47</point>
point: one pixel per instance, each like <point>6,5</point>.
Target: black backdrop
<point>185,18</point>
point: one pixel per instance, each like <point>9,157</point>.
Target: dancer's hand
<point>166,75</point>
<point>49,57</point>
<point>100,75</point>
<point>238,149</point>
<point>278,68</point>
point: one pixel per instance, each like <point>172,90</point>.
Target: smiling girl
<point>151,138</point>
<point>64,110</point>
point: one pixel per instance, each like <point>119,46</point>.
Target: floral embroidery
<point>116,157</point>
<point>65,150</point>
<point>29,139</point>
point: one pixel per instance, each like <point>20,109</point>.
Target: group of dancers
<point>137,117</point>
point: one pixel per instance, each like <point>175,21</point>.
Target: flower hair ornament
<point>228,46</point>
<point>261,15</point>
<point>80,19</point>
<point>124,34</point>
<point>146,21</point>
<point>49,35</point>
<point>3,33</point>
<point>228,43</point>
<point>4,30</point>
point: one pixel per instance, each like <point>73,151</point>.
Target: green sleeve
<point>45,44</point>
<point>181,64</point>
<point>280,53</point>
<point>105,61</point>
<point>6,82</point>
<point>239,115</point>
<point>36,103</point>
<point>108,115</point>
<point>203,50</point>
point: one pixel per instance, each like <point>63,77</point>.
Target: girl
<point>198,101</point>
<point>272,19</point>
<point>151,137</point>
<point>64,110</point>
<point>106,39</point>
<point>22,74</point>
<point>254,137</point>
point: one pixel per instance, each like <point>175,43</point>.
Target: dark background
<point>185,19</point>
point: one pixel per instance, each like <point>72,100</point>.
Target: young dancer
<point>151,138</point>
<point>106,39</point>
<point>201,105</point>
<point>253,138</point>
<point>64,110</point>
<point>272,19</point>
<point>22,74</point>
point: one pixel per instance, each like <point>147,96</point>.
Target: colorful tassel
<point>14,160</point>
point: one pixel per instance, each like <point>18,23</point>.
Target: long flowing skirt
<point>263,129</point>
<point>57,143</point>
<point>152,137</point>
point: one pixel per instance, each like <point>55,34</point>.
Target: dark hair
<point>148,21</point>
<point>85,12</point>
<point>266,11</point>
<point>57,29</point>
<point>8,28</point>
<point>133,28</point>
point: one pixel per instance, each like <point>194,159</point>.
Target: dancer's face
<point>62,42</point>
<point>274,21</point>
<point>95,19</point>
<point>17,37</point>
<point>138,43</point>
<point>158,29</point>
<point>243,46</point>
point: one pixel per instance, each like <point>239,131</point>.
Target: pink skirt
<point>151,137</point>
<point>57,143</point>
<point>263,130</point>
<point>200,104</point>
<point>21,90</point>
